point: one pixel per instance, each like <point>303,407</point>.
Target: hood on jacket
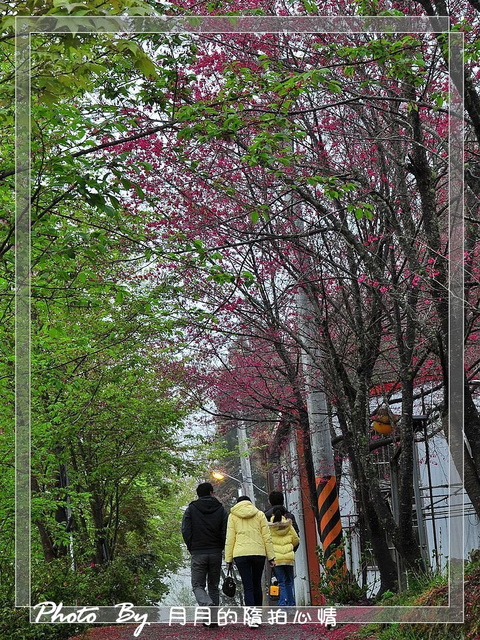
<point>282,526</point>
<point>244,509</point>
<point>269,512</point>
<point>206,504</point>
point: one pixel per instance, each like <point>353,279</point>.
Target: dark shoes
<point>210,624</point>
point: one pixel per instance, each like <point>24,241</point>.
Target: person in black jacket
<point>276,500</point>
<point>204,528</point>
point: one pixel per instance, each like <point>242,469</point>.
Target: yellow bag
<point>274,590</point>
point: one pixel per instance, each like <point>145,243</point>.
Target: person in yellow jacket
<point>249,543</point>
<point>285,541</point>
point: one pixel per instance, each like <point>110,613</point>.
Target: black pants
<point>206,570</point>
<point>250,569</point>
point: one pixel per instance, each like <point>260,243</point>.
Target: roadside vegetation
<point>433,592</point>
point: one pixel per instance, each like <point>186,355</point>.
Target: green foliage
<point>433,591</point>
<point>472,596</point>
<point>335,585</point>
<point>15,622</point>
<point>108,393</point>
<point>121,580</point>
<point>101,411</point>
<point>412,632</point>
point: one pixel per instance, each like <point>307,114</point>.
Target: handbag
<point>229,585</point>
<point>274,589</point>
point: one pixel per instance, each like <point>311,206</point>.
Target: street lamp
<point>221,475</point>
<point>218,475</point>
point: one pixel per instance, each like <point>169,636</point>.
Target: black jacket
<point>204,525</point>
<point>287,514</point>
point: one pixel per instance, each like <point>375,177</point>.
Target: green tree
<point>108,397</point>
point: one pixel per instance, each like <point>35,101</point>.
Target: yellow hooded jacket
<point>285,539</point>
<point>248,533</point>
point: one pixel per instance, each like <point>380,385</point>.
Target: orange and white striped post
<point>330,525</point>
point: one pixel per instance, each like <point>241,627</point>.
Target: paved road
<point>228,632</point>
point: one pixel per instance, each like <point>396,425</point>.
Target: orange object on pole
<point>384,420</point>
<point>382,427</point>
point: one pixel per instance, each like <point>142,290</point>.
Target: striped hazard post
<point>330,525</point>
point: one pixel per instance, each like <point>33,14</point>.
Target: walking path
<point>228,632</point>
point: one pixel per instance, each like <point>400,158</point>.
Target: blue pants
<point>206,569</point>
<point>250,569</point>
<point>284,573</point>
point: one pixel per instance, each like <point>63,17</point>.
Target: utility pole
<point>245,466</point>
<point>329,521</point>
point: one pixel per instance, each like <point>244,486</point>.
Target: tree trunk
<point>471,419</point>
<point>47,543</point>
<point>406,542</point>
<point>308,456</point>
<point>48,546</point>
<point>102,555</point>
<point>376,532</point>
